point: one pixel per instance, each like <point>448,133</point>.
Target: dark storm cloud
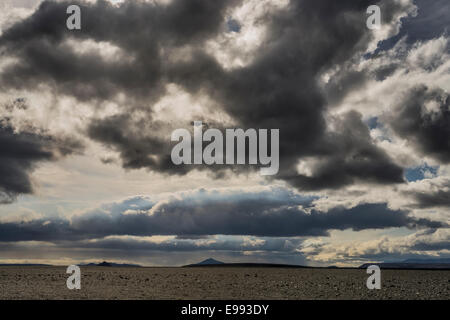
<point>437,195</point>
<point>423,118</point>
<point>440,198</point>
<point>436,246</point>
<point>140,145</point>
<point>39,230</point>
<point>343,82</point>
<point>278,89</point>
<point>130,141</point>
<point>142,30</point>
<point>19,155</point>
<point>276,213</point>
<point>348,157</point>
<point>432,20</point>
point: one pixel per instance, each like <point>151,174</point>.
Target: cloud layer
<point>271,213</point>
<point>360,113</point>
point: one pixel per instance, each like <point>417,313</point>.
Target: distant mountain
<point>110,264</point>
<point>214,263</point>
<point>209,262</point>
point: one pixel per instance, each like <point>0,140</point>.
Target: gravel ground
<point>220,283</point>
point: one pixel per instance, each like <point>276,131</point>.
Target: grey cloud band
<point>275,213</point>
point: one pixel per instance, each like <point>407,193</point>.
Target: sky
<point>86,118</point>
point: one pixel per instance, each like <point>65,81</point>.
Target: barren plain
<point>27,282</point>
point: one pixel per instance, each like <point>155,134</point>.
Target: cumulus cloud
<point>423,118</point>
<point>421,244</point>
<point>410,121</point>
